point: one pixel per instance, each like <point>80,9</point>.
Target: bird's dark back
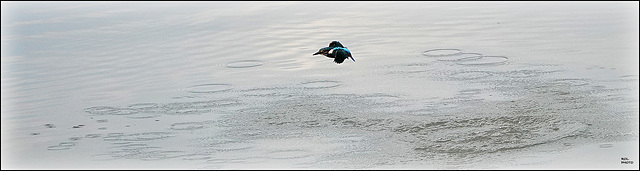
<point>335,44</point>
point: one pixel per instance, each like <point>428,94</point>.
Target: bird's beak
<point>316,53</point>
<point>352,58</point>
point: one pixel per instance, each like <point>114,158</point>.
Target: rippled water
<point>214,85</point>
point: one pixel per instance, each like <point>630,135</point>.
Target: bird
<point>336,51</point>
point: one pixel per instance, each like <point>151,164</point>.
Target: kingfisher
<point>336,51</point>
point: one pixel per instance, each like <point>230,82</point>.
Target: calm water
<point>210,85</point>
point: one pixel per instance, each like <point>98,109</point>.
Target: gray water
<point>218,85</point>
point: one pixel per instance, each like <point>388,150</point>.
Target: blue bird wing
<point>349,52</point>
<point>340,55</point>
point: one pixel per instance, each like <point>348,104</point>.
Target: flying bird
<point>336,51</point>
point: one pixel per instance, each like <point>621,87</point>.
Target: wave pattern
<point>245,90</point>
<point>502,108</point>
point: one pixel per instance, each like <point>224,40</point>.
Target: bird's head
<point>323,51</point>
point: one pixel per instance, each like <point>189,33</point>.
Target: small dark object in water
<point>49,125</point>
<point>336,51</point>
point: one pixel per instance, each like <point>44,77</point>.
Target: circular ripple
<point>137,137</point>
<point>209,88</point>
<point>320,84</point>
<point>143,152</point>
<point>244,64</point>
<point>187,126</point>
<point>417,64</point>
<point>441,52</point>
<point>92,136</point>
<point>424,111</point>
<point>196,157</point>
<point>570,82</point>
<point>380,98</point>
<point>461,57</point>
<point>62,146</point>
<point>107,110</point>
<point>103,157</point>
<point>523,73</point>
<point>262,92</point>
<point>629,77</point>
<point>605,145</point>
<point>470,92</point>
<point>144,116</point>
<point>470,75</point>
<point>485,60</point>
<point>289,154</point>
<point>232,147</point>
<point>144,106</point>
<point>213,141</point>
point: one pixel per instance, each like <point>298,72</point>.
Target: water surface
<point>215,85</point>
